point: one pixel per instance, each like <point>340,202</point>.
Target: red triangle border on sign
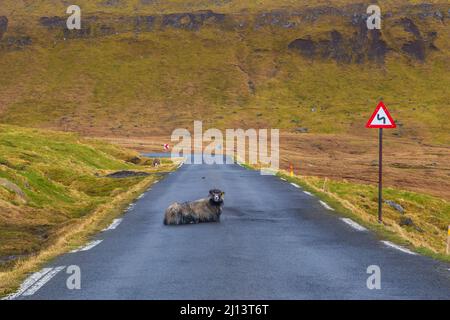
<point>381,106</point>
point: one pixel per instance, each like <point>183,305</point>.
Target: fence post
<point>448,240</point>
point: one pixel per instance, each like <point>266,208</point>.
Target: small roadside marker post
<point>292,170</point>
<point>381,119</point>
<point>448,240</point>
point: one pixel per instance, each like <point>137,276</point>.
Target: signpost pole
<point>380,119</point>
<point>380,178</point>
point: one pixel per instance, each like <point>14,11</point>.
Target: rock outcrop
<point>365,45</point>
<point>191,21</point>
<point>349,41</point>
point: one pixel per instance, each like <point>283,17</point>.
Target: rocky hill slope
<point>146,67</point>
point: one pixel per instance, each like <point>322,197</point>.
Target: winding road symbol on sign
<point>381,118</point>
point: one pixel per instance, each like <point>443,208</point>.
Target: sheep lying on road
<point>203,210</point>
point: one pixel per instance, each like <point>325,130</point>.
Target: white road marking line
<point>326,206</point>
<point>156,181</point>
<point>283,179</point>
<point>390,244</point>
<point>128,209</point>
<point>28,283</point>
<point>89,246</point>
<point>141,196</point>
<point>39,284</point>
<point>353,224</point>
<point>113,225</point>
<point>308,193</point>
<point>295,185</point>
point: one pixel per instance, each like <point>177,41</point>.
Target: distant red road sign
<point>381,118</point>
<point>166,146</point>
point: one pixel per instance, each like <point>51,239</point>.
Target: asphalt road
<point>274,242</point>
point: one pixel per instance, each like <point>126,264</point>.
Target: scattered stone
<point>405,221</point>
<point>395,206</point>
<point>134,160</point>
<point>408,222</point>
<point>8,185</point>
<point>302,130</point>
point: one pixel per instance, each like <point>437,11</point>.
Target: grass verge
<point>55,194</point>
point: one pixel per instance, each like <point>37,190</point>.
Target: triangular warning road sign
<point>381,118</point>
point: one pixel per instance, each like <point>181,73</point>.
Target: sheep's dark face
<point>216,195</point>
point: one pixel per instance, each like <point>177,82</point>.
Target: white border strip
<point>28,283</point>
<point>295,185</point>
<point>113,225</point>
<point>39,284</point>
<point>89,246</point>
<point>308,193</point>
<point>283,179</point>
<point>353,224</point>
<point>390,244</point>
<point>326,206</point>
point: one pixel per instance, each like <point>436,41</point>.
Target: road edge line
<point>41,282</point>
<point>399,248</point>
<point>353,224</point>
<point>326,206</point>
<point>27,283</point>
<point>114,224</point>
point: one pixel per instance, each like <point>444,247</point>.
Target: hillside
<point>50,181</point>
<point>143,67</point>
